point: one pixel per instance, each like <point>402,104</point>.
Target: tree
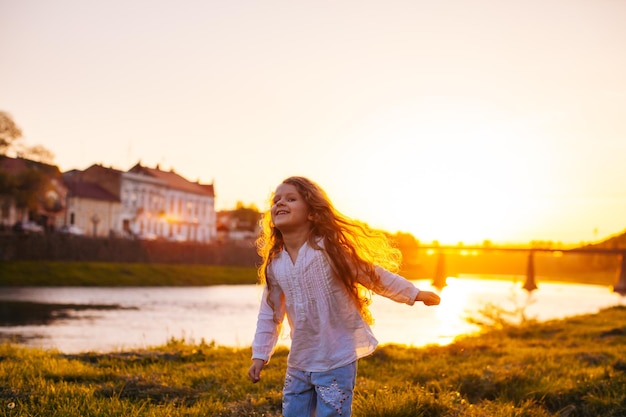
<point>247,217</point>
<point>10,135</point>
<point>37,153</point>
<point>28,187</point>
<point>9,132</point>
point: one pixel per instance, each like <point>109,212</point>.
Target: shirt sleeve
<point>393,286</point>
<point>268,329</point>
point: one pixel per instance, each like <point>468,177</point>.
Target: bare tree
<point>10,135</point>
<point>9,132</point>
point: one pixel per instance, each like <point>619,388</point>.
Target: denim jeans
<point>319,394</point>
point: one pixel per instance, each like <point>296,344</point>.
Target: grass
<point>48,273</point>
<point>571,367</point>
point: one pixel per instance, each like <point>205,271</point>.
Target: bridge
<point>439,279</point>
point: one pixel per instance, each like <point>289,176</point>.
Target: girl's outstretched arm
<point>429,298</point>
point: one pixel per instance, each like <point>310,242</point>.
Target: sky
<point>455,121</point>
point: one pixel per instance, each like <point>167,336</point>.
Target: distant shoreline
<point>111,274</point>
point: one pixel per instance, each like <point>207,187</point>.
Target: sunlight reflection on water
<point>227,314</point>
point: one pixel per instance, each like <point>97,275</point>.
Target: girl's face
<point>289,211</point>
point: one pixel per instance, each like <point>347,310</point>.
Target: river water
<point>226,315</point>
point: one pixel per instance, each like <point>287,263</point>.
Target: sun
<point>446,170</point>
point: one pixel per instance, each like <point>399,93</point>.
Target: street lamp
<point>95,219</point>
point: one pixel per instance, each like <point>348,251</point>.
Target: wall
<point>58,247</point>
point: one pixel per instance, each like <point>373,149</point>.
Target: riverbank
<point>114,274</point>
<point>522,370</point>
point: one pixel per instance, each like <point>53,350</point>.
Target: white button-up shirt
<point>327,329</point>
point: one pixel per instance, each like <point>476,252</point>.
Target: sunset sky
<point>452,120</point>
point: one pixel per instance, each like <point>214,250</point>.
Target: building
<point>163,204</point>
<point>91,208</point>
<point>101,201</point>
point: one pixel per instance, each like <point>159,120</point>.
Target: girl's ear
<point>312,217</point>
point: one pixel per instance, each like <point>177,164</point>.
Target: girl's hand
<point>255,370</point>
<point>429,298</point>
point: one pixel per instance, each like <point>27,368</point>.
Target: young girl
<point>316,265</point>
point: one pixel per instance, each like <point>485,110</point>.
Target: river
<point>226,315</point>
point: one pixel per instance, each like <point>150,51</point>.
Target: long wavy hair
<point>353,249</point>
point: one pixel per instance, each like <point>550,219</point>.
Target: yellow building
<point>92,209</point>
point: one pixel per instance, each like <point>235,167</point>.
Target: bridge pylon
<point>439,280</point>
<point>620,285</point>
<point>530,284</point>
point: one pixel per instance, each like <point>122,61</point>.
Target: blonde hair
<point>353,249</point>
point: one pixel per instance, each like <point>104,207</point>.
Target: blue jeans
<point>319,394</point>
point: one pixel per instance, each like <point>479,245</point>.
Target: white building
<point>163,204</point>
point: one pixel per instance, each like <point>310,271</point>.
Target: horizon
<point>497,121</point>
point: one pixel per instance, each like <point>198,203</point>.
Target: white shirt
<point>327,330</point>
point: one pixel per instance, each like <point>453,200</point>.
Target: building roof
<point>175,181</point>
<point>208,188</point>
<point>16,165</point>
<point>89,190</point>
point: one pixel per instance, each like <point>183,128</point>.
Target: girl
<point>316,265</point>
